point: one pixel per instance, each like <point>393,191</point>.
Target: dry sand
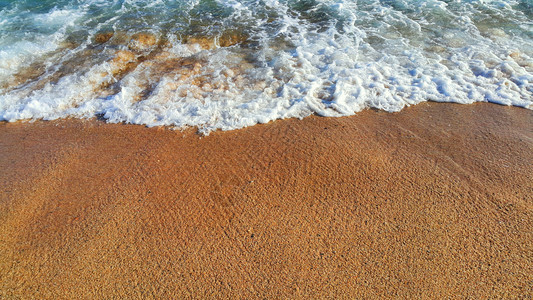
<point>435,201</point>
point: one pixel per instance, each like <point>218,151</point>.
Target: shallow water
<point>227,64</point>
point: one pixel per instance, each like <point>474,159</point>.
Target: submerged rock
<point>225,40</point>
<point>103,37</point>
<point>142,41</point>
<point>123,56</point>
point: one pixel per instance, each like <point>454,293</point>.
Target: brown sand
<point>435,201</point>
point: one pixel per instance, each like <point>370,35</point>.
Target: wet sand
<point>434,201</point>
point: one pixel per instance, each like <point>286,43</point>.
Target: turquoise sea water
<point>226,64</point>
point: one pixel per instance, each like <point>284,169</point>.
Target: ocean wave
<point>228,64</point>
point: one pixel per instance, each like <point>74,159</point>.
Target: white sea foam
<point>332,58</point>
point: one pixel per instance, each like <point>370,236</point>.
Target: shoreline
<point>433,201</point>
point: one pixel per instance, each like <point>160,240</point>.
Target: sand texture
<point>434,201</point>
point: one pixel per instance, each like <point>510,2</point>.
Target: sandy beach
<point>435,201</point>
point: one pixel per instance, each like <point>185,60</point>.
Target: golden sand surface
<point>434,201</point>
